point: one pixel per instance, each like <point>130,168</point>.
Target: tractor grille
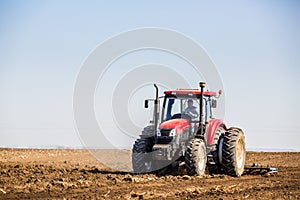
<point>164,139</point>
<point>165,132</point>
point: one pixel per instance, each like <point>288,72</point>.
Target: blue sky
<point>254,44</point>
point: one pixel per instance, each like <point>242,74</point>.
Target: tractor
<point>183,131</point>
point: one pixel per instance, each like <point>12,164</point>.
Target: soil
<point>76,174</point>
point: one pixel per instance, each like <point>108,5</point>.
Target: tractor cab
<point>181,110</point>
<point>186,104</point>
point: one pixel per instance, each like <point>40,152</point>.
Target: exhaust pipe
<point>156,108</point>
<point>200,131</point>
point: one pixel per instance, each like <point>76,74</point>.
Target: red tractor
<point>186,132</point>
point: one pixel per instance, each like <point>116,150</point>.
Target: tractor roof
<point>190,92</point>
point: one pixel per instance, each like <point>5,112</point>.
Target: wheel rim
<point>240,154</point>
<point>200,165</point>
<point>220,152</point>
<point>148,165</point>
<point>201,161</point>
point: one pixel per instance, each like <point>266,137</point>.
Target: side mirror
<point>220,92</point>
<point>146,104</point>
<point>213,103</point>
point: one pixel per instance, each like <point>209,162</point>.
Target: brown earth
<point>75,174</point>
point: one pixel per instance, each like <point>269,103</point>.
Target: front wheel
<point>141,156</point>
<point>195,158</point>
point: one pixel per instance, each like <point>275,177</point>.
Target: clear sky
<point>255,46</point>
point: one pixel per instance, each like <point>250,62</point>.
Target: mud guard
<point>211,128</point>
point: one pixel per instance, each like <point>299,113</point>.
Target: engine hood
<point>178,124</point>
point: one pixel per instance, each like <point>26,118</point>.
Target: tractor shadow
<point>169,171</point>
<point>163,172</point>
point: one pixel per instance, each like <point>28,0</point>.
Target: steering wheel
<point>182,116</point>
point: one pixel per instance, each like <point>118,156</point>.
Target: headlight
<point>158,132</point>
<point>172,132</point>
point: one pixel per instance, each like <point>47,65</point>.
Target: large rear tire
<point>233,152</point>
<point>195,158</point>
<point>213,163</point>
<point>141,157</point>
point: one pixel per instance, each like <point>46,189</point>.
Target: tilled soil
<point>75,174</point>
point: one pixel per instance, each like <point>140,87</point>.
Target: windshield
<point>176,107</point>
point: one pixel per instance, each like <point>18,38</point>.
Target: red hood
<point>178,124</point>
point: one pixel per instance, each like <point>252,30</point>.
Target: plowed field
<point>75,174</point>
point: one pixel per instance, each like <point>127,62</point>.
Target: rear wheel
<point>141,156</point>
<point>234,152</point>
<point>195,158</point>
<point>213,163</point>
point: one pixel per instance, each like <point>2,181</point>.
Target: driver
<point>191,110</point>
